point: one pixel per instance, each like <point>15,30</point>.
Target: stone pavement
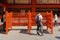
<point>20,33</point>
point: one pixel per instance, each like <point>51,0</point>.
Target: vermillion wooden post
<point>7,24</point>
<point>51,22</point>
<point>10,20</point>
<point>29,22</point>
<point>47,20</point>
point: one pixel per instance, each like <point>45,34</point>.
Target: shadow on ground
<point>58,37</point>
<point>24,31</point>
<point>59,30</point>
<point>3,32</point>
<point>46,32</point>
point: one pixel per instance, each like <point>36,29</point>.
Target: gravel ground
<point>20,33</point>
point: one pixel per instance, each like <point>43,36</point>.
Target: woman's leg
<point>41,28</point>
<point>38,25</point>
<point>4,26</point>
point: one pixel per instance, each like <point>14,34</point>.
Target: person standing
<point>56,19</point>
<point>3,20</point>
<point>39,23</point>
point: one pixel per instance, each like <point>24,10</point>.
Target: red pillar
<point>7,20</point>
<point>10,20</point>
<point>29,22</point>
<point>51,22</point>
<point>47,19</point>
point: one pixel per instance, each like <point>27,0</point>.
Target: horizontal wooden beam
<point>19,6</point>
<point>48,6</point>
<point>39,6</point>
<point>32,5</point>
